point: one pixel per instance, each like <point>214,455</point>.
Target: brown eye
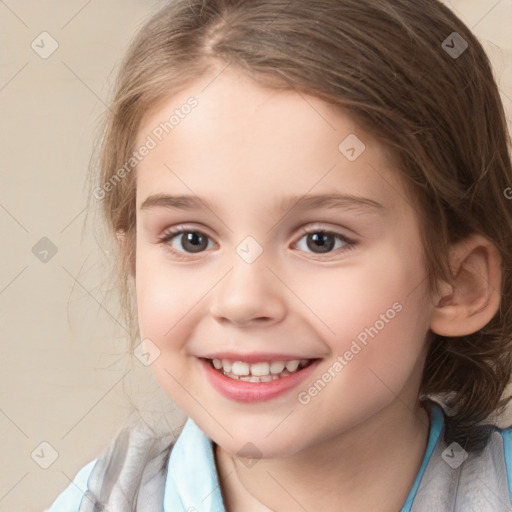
<point>322,242</point>
<point>192,241</point>
<point>186,241</point>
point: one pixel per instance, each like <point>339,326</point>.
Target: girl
<point>312,203</point>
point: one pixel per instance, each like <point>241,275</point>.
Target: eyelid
<point>320,226</point>
<point>174,230</point>
<point>303,230</point>
<point>350,243</point>
<point>171,232</point>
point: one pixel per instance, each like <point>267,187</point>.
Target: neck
<point>355,468</point>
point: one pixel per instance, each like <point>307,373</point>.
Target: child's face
<point>362,311</point>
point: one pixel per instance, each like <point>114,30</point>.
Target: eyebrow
<point>305,202</point>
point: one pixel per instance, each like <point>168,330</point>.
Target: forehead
<point>244,138</point>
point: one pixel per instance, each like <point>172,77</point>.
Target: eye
<point>321,241</point>
<point>185,241</point>
<point>182,242</point>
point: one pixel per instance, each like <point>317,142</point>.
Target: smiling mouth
<point>264,371</point>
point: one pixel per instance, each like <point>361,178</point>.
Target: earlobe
<point>473,299</point>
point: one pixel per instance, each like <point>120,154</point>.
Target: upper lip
<point>254,357</point>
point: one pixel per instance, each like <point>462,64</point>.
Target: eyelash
<point>174,232</point>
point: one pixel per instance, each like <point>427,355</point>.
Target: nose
<point>249,294</point>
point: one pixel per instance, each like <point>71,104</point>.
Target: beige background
<point>64,378</point>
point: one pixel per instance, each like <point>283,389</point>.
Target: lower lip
<point>243,391</point>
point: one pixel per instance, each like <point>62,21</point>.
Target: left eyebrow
<point>332,201</point>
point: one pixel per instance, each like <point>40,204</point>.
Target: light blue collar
<point>436,425</point>
<point>192,481</point>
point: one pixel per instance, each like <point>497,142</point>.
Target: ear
<point>474,298</point>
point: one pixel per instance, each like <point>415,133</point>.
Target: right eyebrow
<point>178,202</point>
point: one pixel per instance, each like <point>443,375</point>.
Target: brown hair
<point>384,62</point>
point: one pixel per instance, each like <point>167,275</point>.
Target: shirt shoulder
<point>70,498</point>
<point>506,436</point>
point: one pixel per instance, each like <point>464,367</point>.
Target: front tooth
<point>217,363</point>
<point>260,369</point>
<point>291,366</point>
<point>226,365</point>
<point>277,366</point>
<point>240,368</point>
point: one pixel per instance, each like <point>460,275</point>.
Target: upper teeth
<point>240,368</point>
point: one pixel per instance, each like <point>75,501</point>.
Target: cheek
<point>350,298</point>
<point>378,315</point>
<point>163,297</point>
<point>373,314</point>
<point>165,302</point>
<point>390,322</point>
